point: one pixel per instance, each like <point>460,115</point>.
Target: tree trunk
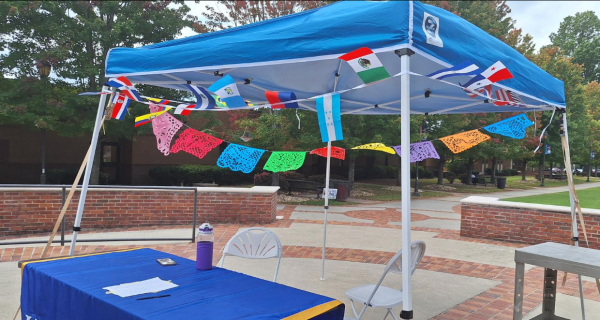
<point>523,171</point>
<point>399,175</point>
<point>275,179</point>
<point>95,176</point>
<point>440,167</point>
<point>469,171</point>
<point>494,161</point>
<point>351,166</point>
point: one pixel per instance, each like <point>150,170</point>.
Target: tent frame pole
<point>407,311</point>
<point>88,169</point>
<point>575,231</point>
<point>326,196</point>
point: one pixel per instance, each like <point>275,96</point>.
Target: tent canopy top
<point>300,53</point>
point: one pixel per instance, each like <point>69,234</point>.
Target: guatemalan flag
<point>120,104</point>
<point>203,99</point>
<point>126,87</point>
<point>497,72</point>
<point>366,64</point>
<point>461,69</point>
<point>330,117</point>
<point>226,89</point>
<point>276,100</point>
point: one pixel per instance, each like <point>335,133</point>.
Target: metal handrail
<point>65,187</point>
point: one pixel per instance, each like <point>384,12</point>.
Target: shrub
<point>384,172</point>
<point>423,174</point>
<point>320,178</point>
<point>188,174</point>
<point>262,179</point>
<point>450,177</point>
<point>293,175</point>
<point>67,176</point>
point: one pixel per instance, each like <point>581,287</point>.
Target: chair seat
<point>384,297</point>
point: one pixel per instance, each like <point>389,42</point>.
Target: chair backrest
<point>254,243</point>
<point>395,264</point>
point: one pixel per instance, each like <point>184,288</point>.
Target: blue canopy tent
<point>300,53</point>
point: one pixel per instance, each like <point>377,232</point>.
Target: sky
<point>538,18</point>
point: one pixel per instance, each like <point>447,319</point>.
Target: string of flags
<point>242,158</point>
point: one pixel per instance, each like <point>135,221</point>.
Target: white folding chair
<point>378,296</point>
<point>254,243</point>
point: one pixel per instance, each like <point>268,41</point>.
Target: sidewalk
<point>459,278</point>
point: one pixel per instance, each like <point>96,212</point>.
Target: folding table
<point>71,288</point>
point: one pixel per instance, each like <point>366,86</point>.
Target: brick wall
<point>488,218</point>
<point>30,211</point>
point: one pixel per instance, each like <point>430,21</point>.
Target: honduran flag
<point>366,64</point>
<point>277,100</point>
<point>461,69</point>
<point>505,97</point>
<point>497,72</point>
<point>147,118</point>
<point>203,99</point>
<point>120,104</point>
<point>330,117</point>
<point>226,89</point>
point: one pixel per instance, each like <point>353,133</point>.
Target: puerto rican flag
<point>487,91</point>
<point>497,72</point>
<point>507,97</point>
<point>185,109</point>
<point>278,100</point>
<point>120,104</point>
<point>126,87</point>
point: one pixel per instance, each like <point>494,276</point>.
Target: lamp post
<point>423,134</point>
<point>589,166</point>
<point>44,69</point>
<point>544,151</point>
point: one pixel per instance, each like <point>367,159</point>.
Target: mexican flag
<point>366,64</point>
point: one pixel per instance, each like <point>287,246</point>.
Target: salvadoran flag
<point>330,117</point>
<point>366,64</point>
<point>228,91</point>
<point>505,97</point>
<point>461,69</point>
<point>147,118</point>
<point>120,104</point>
<point>203,99</point>
<point>497,72</point>
<point>277,100</point>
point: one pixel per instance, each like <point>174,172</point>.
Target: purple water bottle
<point>204,247</point>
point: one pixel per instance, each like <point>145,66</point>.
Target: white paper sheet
<point>140,287</point>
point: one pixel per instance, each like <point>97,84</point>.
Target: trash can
<point>342,192</point>
<point>501,183</point>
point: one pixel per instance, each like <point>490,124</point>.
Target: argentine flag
<point>330,117</point>
<point>226,89</point>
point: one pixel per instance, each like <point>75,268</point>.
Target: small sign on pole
<point>332,193</point>
<point>593,154</point>
<point>548,149</point>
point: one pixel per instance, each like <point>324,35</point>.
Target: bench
<point>304,185</point>
<point>559,177</point>
<point>480,181</point>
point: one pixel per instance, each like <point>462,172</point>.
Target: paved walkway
<point>459,278</point>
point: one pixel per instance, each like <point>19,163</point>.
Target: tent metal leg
<point>405,185</point>
<point>573,213</point>
<point>88,170</point>
<point>326,208</point>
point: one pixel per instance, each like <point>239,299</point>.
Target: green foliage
<point>450,177</point>
<point>188,174</point>
<point>578,37</point>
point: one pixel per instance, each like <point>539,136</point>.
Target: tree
<point>578,37</point>
<point>75,37</point>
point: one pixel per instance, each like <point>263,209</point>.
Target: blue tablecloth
<point>71,289</point>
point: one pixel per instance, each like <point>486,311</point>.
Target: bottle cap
<point>205,228</point>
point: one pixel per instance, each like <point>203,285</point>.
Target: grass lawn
<point>589,198</point>
<point>383,193</point>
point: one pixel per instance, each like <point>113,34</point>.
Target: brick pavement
<point>495,303</point>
